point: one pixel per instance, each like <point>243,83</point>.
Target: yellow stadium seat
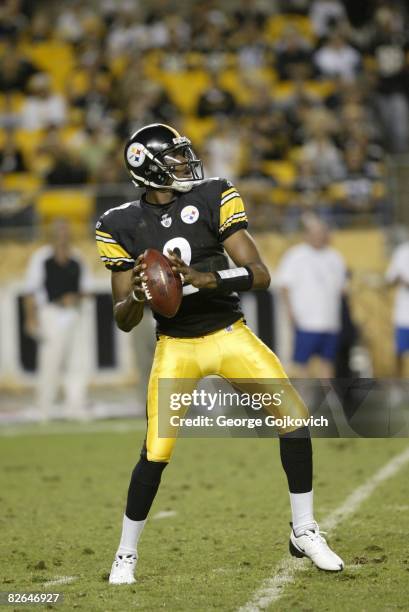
<point>54,57</point>
<point>195,60</point>
<point>277,24</point>
<point>231,80</point>
<point>28,141</point>
<point>151,61</point>
<point>280,196</point>
<point>283,90</point>
<point>184,88</point>
<point>70,132</point>
<point>118,65</point>
<point>197,129</point>
<point>320,89</point>
<point>22,181</point>
<point>77,205</point>
<point>78,82</point>
<point>283,171</point>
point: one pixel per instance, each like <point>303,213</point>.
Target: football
<point>163,289</point>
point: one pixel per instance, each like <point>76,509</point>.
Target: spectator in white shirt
<point>312,278</point>
<point>319,148</point>
<point>223,152</point>
<point>42,108</point>
<point>398,275</point>
<point>338,59</point>
<point>56,281</point>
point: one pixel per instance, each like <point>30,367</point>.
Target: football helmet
<point>158,156</point>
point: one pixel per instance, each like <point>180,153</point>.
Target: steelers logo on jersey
<point>135,155</point>
<point>189,214</point>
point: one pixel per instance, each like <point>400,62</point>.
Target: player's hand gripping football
<point>138,277</point>
<point>200,280</point>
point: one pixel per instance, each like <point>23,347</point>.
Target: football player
<point>195,222</point>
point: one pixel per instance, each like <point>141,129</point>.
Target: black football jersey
<point>194,225</point>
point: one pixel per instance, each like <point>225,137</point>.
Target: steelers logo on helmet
<point>189,214</point>
<point>155,143</point>
<point>135,155</point>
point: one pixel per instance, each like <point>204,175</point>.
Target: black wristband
<point>236,279</point>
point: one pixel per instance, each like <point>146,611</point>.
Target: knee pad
<point>148,472</point>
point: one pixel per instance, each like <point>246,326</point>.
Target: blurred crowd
<point>297,101</point>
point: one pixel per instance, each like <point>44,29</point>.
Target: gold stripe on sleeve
<point>225,193</point>
<point>103,234</point>
<point>233,206</point>
<point>112,251</point>
<point>236,218</point>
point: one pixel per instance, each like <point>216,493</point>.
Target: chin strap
<point>181,186</point>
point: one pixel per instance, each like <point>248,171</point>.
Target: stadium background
<point>302,104</point>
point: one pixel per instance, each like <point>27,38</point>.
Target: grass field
<point>63,488</point>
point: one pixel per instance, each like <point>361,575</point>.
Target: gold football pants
<point>232,353</point>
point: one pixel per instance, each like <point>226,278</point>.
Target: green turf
<point>62,498</point>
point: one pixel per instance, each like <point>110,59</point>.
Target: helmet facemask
<point>182,166</point>
<point>175,167</point>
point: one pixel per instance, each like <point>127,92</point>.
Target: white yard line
<point>272,588</point>
<point>164,514</point>
<point>60,580</point>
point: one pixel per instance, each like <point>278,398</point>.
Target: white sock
<point>131,532</point>
<point>302,511</point>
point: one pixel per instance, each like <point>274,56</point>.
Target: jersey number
<point>183,249</point>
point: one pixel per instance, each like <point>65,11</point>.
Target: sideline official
<point>57,280</point>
